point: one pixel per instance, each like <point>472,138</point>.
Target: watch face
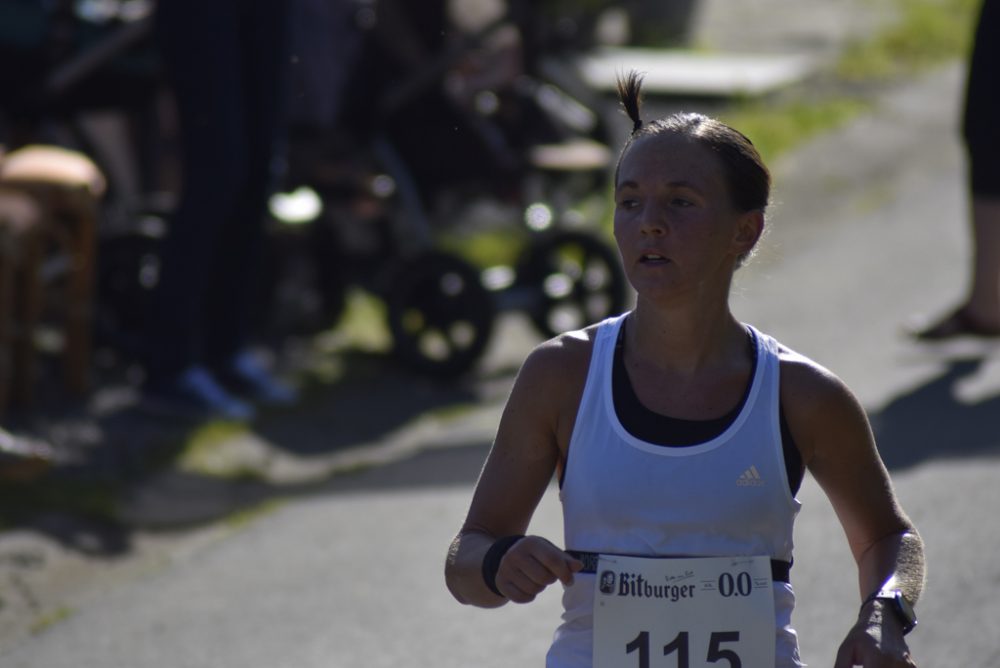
<point>906,610</point>
<point>902,608</point>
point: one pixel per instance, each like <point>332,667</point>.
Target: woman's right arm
<point>531,439</point>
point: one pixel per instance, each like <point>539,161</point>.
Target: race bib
<point>683,613</point>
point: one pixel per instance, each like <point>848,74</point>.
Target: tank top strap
<point>602,357</point>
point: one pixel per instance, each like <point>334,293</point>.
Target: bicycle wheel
<point>440,315</point>
<point>577,280</point>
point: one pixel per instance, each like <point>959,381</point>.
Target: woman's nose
<point>652,221</point>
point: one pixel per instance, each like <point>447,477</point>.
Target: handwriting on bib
<point>683,613</point>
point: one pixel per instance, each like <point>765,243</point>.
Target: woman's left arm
<point>832,430</point>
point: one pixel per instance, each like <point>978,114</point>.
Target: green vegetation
<point>246,517</point>
<point>928,32</point>
<point>775,130</point>
<point>925,33</point>
<point>46,621</point>
<point>202,452</point>
<point>365,324</point>
<point>487,248</point>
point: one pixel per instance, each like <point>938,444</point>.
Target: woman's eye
<point>627,204</point>
<point>681,202</point>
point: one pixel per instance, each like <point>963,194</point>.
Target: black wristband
<point>897,603</point>
<point>491,562</point>
<point>868,599</point>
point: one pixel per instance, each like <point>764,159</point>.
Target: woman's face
<point>675,225</point>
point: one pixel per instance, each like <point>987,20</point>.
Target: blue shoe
<point>247,374</point>
<point>195,393</point>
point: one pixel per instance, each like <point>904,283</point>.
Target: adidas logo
<point>750,478</point>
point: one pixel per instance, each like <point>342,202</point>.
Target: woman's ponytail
<point>630,93</point>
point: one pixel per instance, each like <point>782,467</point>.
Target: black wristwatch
<point>895,601</point>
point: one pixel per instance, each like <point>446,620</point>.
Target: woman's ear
<point>749,228</point>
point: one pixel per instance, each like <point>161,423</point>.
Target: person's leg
<point>979,313</point>
<point>235,289</point>
<point>200,50</point>
<point>198,46</point>
<point>982,138</point>
<point>983,303</point>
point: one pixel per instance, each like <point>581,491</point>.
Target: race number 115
<point>680,646</point>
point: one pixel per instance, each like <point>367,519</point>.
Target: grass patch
<point>244,518</point>
<point>362,327</point>
<point>775,131</point>
<point>201,452</point>
<point>487,248</point>
<point>48,620</point>
<point>453,411</point>
<point>928,32</point>
<point>505,245</point>
<point>210,434</point>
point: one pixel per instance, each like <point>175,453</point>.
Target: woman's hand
<point>876,641</point>
<point>531,565</point>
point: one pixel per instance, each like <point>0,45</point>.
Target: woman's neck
<point>684,342</point>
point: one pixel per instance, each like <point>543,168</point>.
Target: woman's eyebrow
<point>682,184</point>
<point>669,184</point>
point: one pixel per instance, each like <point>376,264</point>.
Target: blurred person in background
<point>979,313</point>
<point>226,61</point>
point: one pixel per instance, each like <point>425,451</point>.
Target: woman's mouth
<point>653,258</point>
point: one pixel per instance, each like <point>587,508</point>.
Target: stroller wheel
<point>440,315</point>
<point>575,278</point>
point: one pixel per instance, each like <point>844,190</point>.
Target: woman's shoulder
<point>805,377</point>
<point>550,383</point>
<point>564,356</point>
<point>816,402</point>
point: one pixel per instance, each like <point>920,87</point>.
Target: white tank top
<point>621,495</point>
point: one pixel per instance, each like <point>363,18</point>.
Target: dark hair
<point>747,177</point>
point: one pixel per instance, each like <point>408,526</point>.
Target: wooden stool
<point>20,254</point>
<point>58,250</point>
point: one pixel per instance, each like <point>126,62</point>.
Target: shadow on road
<point>932,422</point>
<point>126,480</point>
<point>130,483</point>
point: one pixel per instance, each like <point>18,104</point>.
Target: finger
<point>572,566</point>
<point>524,574</point>
<point>845,657</point>
<point>560,564</point>
<point>575,566</point>
<point>539,559</point>
<point>533,570</point>
<point>518,592</point>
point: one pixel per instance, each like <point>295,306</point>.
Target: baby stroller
<point>427,136</point>
<point>421,134</point>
